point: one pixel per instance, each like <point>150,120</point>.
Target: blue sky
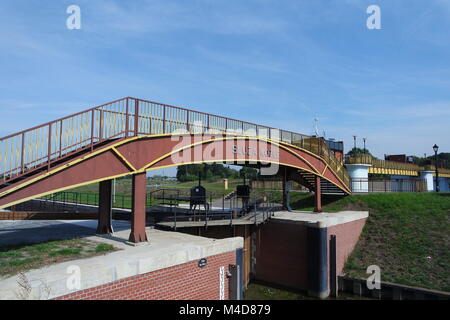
<point>278,63</point>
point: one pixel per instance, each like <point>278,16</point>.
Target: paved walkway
<point>36,231</point>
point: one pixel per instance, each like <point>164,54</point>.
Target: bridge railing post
<point>136,118</point>
<point>22,155</point>
<point>49,145</point>
<point>60,137</point>
<point>100,133</point>
<point>92,129</point>
<point>187,122</point>
<point>164,119</point>
<point>127,118</point>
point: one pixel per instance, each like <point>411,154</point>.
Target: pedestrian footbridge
<point>131,136</point>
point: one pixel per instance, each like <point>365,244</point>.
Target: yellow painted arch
<point>146,167</point>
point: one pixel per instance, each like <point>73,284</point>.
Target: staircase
<point>320,148</point>
<point>326,187</point>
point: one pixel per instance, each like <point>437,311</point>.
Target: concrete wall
<point>360,174</point>
<point>182,282</point>
<point>282,251</point>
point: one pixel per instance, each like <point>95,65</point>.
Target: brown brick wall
<point>281,254</point>
<point>182,282</point>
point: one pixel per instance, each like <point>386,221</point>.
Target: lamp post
<point>364,139</point>
<point>354,139</point>
<point>436,148</point>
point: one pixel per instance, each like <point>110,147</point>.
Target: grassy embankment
<point>406,234</point>
<point>258,291</point>
<point>20,258</point>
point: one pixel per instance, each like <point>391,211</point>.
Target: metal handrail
<point>41,146</point>
<point>433,168</point>
<point>386,164</point>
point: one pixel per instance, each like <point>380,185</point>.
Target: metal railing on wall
<point>261,207</point>
<point>385,164</point>
<point>442,171</point>
<point>42,146</point>
<point>388,185</point>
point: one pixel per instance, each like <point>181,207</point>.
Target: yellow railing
<point>392,165</point>
<point>382,164</point>
<point>320,148</point>
<point>441,171</point>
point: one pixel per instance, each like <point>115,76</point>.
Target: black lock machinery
<point>198,196</point>
<point>243,193</point>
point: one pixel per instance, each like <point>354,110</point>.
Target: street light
<point>364,139</point>
<point>436,148</point>
<point>354,139</point>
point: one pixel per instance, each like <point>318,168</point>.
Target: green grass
<point>21,258</point>
<point>259,291</point>
<point>103,247</point>
<point>406,234</point>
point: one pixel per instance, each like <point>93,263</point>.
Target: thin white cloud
<point>143,17</point>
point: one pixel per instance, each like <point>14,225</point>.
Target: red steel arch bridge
<point>131,136</point>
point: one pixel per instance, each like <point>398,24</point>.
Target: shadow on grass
<point>306,202</point>
<point>261,290</point>
<point>443,194</point>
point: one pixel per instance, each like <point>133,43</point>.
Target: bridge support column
<point>317,253</point>
<point>105,208</point>
<point>139,191</point>
<point>359,177</point>
<point>285,195</point>
<point>428,176</point>
<point>318,196</point>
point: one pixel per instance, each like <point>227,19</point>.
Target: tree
<point>443,160</point>
<point>208,172</point>
<point>250,173</point>
<point>356,152</point>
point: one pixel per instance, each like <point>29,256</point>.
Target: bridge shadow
<point>25,232</point>
<point>443,194</point>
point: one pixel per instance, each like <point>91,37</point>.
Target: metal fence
<point>262,205</point>
<point>385,164</point>
<point>388,185</point>
<point>275,184</point>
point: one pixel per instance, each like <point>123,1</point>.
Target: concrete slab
<point>319,220</point>
<point>245,220</point>
<point>164,249</point>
